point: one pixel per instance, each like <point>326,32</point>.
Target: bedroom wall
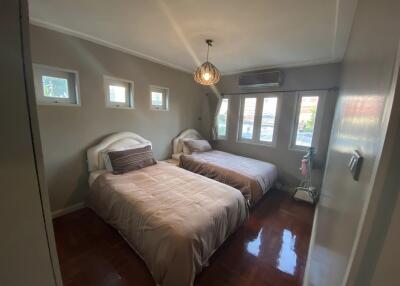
<point>310,77</point>
<point>27,242</point>
<point>67,132</point>
<point>360,122</point>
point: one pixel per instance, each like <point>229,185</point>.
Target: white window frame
<point>72,77</point>
<point>219,137</point>
<point>107,80</point>
<point>258,118</point>
<point>165,92</point>
<point>318,119</point>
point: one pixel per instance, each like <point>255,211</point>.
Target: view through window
<point>222,118</point>
<point>156,98</point>
<point>249,112</point>
<point>268,119</point>
<point>117,93</point>
<point>55,87</point>
<point>306,120</point>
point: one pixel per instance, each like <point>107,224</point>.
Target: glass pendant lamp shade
<point>207,73</point>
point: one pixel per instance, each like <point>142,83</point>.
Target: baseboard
<point>69,209</point>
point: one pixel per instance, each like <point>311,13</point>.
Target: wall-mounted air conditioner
<point>261,79</point>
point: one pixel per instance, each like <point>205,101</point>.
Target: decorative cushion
<point>185,148</point>
<point>198,145</point>
<point>131,159</point>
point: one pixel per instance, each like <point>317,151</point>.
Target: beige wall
<point>359,123</point>
<point>287,161</point>
<point>68,131</point>
<point>25,248</point>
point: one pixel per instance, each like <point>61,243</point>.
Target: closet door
<point>25,257</point>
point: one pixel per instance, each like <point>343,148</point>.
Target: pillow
<point>131,159</point>
<point>106,160</point>
<point>185,148</point>
<point>198,145</point>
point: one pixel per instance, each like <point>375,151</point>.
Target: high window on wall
<point>159,98</point>
<point>55,86</point>
<point>306,120</point>
<point>119,92</point>
<point>258,119</point>
<point>222,119</point>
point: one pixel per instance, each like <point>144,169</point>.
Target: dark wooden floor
<point>270,249</point>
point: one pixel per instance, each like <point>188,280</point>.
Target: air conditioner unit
<point>261,79</point>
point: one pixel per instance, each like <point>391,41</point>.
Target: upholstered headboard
<point>177,147</point>
<point>117,141</point>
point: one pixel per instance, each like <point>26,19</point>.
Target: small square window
<point>159,97</point>
<point>55,86</point>
<point>119,93</point>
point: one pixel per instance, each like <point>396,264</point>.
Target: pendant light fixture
<point>207,73</point>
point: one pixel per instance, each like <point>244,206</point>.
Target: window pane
<point>248,117</point>
<point>156,98</point>
<point>305,125</point>
<point>117,93</point>
<point>222,117</point>
<point>268,119</point>
<point>55,87</point>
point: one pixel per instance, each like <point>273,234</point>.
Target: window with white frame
<point>119,92</point>
<point>159,97</point>
<point>305,121</point>
<point>222,119</point>
<point>55,86</point>
<point>258,119</point>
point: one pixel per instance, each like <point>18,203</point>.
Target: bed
<point>172,218</point>
<point>252,177</point>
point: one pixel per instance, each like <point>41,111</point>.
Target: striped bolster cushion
<point>131,159</point>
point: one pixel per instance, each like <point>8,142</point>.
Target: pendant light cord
<point>209,44</point>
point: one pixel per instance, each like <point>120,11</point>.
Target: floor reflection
<point>287,259</point>
<point>253,246</point>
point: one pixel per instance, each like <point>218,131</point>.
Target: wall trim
<point>335,57</point>
<point>69,209</point>
<point>84,36</point>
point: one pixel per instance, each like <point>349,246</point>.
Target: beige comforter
<point>172,218</point>
<point>252,177</point>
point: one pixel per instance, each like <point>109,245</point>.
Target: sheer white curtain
<point>214,127</point>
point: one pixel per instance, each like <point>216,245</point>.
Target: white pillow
<point>106,160</point>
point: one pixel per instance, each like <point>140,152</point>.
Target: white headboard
<point>188,133</point>
<point>116,141</point>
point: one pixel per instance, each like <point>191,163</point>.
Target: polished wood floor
<point>270,249</point>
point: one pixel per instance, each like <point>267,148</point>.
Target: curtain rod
<point>278,91</point>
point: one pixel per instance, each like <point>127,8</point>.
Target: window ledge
<point>266,144</point>
<point>121,107</point>
<point>301,149</point>
<point>58,104</point>
<point>159,109</point>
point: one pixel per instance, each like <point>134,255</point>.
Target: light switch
<point>355,164</point>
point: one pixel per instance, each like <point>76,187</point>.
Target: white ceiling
<point>248,34</point>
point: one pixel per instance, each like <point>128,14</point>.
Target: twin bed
<point>252,177</point>
<point>174,219</point>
